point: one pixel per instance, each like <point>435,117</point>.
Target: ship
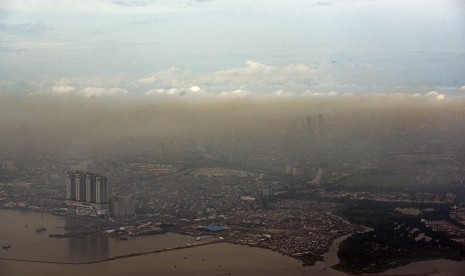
<point>40,229</point>
<point>6,246</point>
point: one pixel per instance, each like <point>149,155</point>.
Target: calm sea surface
<point>18,228</point>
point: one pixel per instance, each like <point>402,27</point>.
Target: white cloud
<point>253,76</point>
<point>163,91</point>
<point>258,75</point>
<point>436,95</point>
<point>173,76</point>
<point>193,90</point>
<point>239,93</point>
<point>281,93</point>
<point>93,92</point>
<point>63,87</point>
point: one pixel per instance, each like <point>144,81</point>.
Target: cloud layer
<point>252,79</point>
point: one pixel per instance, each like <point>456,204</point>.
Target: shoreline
<point>217,257</point>
<point>319,261</point>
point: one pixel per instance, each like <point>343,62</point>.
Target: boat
<point>40,229</point>
<point>6,246</point>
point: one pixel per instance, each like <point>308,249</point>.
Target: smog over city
<point>232,137</point>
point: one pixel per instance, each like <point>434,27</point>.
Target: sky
<point>198,48</point>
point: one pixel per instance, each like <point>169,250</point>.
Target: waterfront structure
<point>123,205</point>
<point>87,193</point>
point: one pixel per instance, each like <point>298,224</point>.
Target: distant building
<point>308,123</point>
<point>294,170</point>
<point>123,205</point>
<point>8,166</point>
<point>297,171</point>
<point>267,191</point>
<point>288,169</point>
<point>321,124</point>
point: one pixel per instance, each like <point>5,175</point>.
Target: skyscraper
<point>87,187</point>
<point>101,189</point>
<point>71,186</point>
<point>80,185</point>
<point>90,187</point>
<point>87,193</point>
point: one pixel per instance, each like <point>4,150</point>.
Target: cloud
<point>173,76</point>
<point>162,91</point>
<point>94,92</point>
<point>282,93</point>
<point>258,75</point>
<point>253,76</point>
<point>193,90</point>
<point>239,93</point>
<point>436,95</point>
<point>312,93</point>
<point>63,87</point>
<point>132,3</point>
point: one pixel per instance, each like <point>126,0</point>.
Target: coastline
<point>219,258</point>
<point>239,258</point>
<point>212,259</point>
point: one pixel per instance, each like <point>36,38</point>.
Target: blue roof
<point>212,228</point>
